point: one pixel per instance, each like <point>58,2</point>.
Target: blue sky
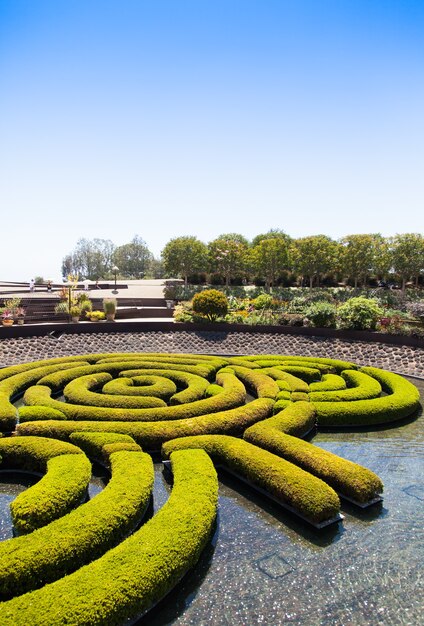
<point>197,117</point>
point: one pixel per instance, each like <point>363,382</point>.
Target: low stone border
<point>407,360</point>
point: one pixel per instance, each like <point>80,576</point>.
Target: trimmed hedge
<point>233,395</point>
<point>63,487</point>
<point>338,365</point>
<point>81,391</point>
<point>294,487</point>
<point>345,477</point>
<point>151,435</point>
<point>360,386</point>
<point>67,474</point>
<point>262,385</point>
<point>84,534</point>
<point>93,443</point>
<point>403,400</point>
<point>35,413</point>
<point>295,419</point>
<point>32,453</point>
<point>139,571</point>
<point>156,386</point>
<point>291,382</point>
<point>328,382</point>
<point>16,384</point>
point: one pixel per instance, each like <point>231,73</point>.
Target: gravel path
<point>403,359</point>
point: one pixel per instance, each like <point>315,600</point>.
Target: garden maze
<point>75,560</point>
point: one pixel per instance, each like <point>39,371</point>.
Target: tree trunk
<point>311,281</point>
<point>403,284</point>
<point>356,282</point>
<point>185,280</point>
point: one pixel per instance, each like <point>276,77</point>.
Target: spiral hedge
<point>244,414</point>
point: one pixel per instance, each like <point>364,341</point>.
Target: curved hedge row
<point>151,435</point>
<point>402,400</point>
<point>347,478</point>
<point>292,486</point>
<point>360,386</point>
<point>156,386</point>
<point>141,569</point>
<point>84,534</point>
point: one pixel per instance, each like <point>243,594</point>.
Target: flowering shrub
<point>359,314</point>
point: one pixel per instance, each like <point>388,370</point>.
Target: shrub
<point>346,477</point>
<point>151,435</point>
<point>322,314</point>
<point>359,314</point>
<point>360,387</point>
<point>131,578</point>
<point>95,315</point>
<point>211,303</point>
<point>403,399</point>
<point>264,301</point>
<point>109,306</point>
<point>58,549</point>
<point>294,487</point>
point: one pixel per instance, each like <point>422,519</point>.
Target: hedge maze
<point>246,414</point>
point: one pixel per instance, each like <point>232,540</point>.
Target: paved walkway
<point>403,359</point>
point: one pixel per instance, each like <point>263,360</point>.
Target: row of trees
<point>268,256</point>
<point>95,258</point>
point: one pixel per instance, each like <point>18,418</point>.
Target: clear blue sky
<point>197,117</point>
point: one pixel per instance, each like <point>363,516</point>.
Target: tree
<point>91,259</point>
<point>356,256</point>
<point>270,257</point>
<point>133,259</point>
<point>183,256</point>
<point>408,256</point>
<point>228,255</point>
<point>314,255</point>
<point>274,233</point>
<point>383,261</point>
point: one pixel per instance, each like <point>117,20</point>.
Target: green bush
<point>294,487</point>
<point>94,444</point>
<point>151,435</point>
<point>403,399</point>
<point>34,413</point>
<point>346,477</point>
<point>211,303</point>
<point>233,395</point>
<point>328,382</point>
<point>146,385</point>
<point>261,384</point>
<point>264,301</point>
<point>83,535</point>
<point>295,419</point>
<point>359,314</point>
<point>360,387</point>
<point>322,314</point>
<point>60,490</point>
<point>131,578</point>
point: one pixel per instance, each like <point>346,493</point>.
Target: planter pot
<point>110,317</point>
<point>75,319</point>
<point>20,321</point>
<point>7,322</point>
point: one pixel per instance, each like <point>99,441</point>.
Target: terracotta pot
<point>7,322</point>
<point>110,317</point>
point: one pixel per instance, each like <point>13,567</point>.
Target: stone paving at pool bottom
<point>403,359</point>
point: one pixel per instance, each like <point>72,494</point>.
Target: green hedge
<point>308,495</point>
<point>32,453</point>
<point>63,487</point>
<point>290,382</point>
<point>338,365</point>
<point>233,395</point>
<point>35,413</point>
<point>132,577</point>
<point>261,384</point>
<point>403,400</point>
<point>151,435</point>
<point>345,477</point>
<point>15,384</point>
<point>328,382</point>
<point>360,386</point>
<point>93,444</point>
<point>156,386</point>
<point>294,418</point>
<point>82,391</point>
<point>84,534</point>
